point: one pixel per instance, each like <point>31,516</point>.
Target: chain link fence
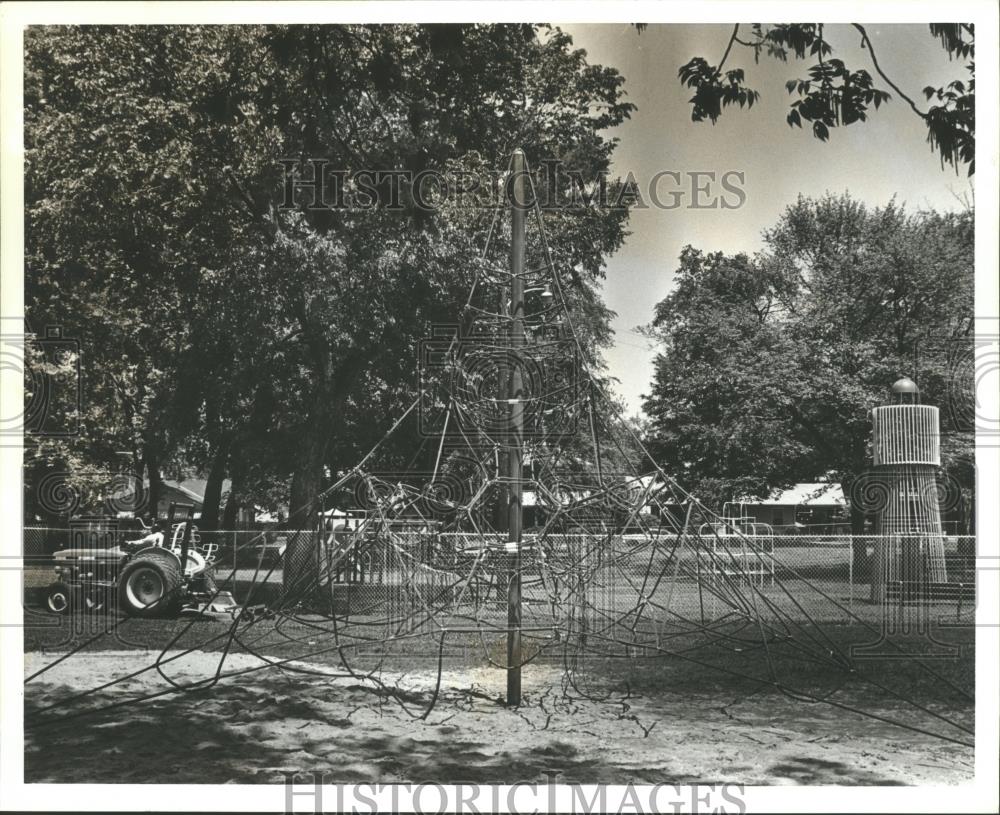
<point>239,558</point>
<point>621,590</point>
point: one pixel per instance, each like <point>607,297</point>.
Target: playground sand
<point>255,726</point>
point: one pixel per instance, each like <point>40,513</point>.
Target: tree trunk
<point>33,511</point>
<point>231,510</point>
<point>232,502</point>
<point>301,554</point>
<point>301,560</point>
<point>968,509</point>
<point>155,490</point>
<point>213,488</point>
<point>860,562</point>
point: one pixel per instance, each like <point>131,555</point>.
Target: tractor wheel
<point>150,585</point>
<point>59,598</point>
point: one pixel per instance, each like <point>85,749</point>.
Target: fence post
<point>233,587</point>
<point>850,575</point>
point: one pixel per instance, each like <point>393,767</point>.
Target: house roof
<point>191,488</point>
<point>198,496</point>
<point>817,494</point>
<point>195,487</point>
<point>637,485</point>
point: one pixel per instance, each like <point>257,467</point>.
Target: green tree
<point>254,339</point>
<point>116,239</point>
<point>836,95</point>
<point>769,365</point>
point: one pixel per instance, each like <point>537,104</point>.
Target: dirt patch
<point>256,726</point>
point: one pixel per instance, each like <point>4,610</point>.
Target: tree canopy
<point>225,332</point>
<point>769,364</point>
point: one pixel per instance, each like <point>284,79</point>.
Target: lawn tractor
<point>143,578</point>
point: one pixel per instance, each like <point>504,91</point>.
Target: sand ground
<point>258,725</point>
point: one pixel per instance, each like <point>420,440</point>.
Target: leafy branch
<point>835,95</point>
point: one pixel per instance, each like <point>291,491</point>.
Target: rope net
<point>616,562</point>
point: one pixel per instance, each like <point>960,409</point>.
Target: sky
<point>875,160</point>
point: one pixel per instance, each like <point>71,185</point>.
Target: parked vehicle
<point>143,578</point>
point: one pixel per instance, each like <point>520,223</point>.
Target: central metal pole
<point>515,433</point>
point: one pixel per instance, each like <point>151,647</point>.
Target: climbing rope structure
<point>614,560</point>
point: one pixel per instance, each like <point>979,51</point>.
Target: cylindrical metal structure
<point>906,434</point>
<point>906,453</point>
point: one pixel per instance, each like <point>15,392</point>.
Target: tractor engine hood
<point>112,554</point>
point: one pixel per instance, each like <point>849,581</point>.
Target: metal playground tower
<point>906,454</point>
